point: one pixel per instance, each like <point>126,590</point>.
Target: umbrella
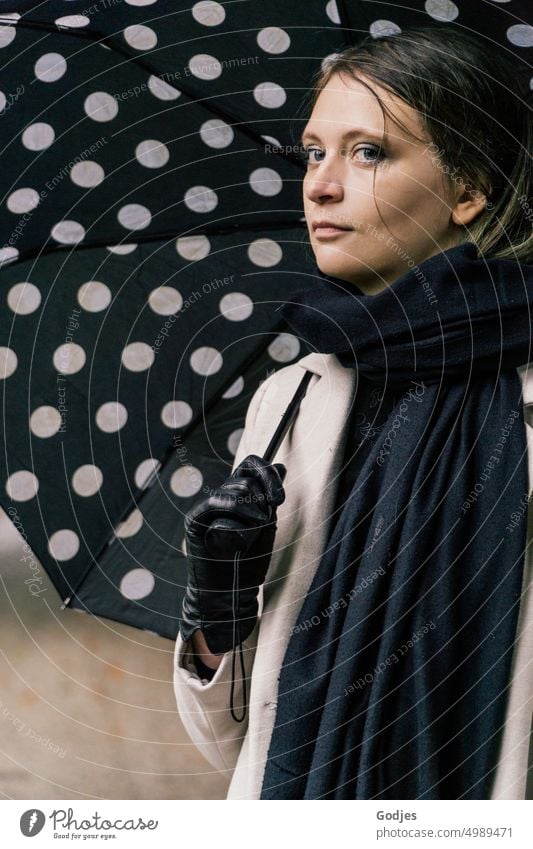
<point>151,221</point>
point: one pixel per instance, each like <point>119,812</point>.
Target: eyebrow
<point>359,131</point>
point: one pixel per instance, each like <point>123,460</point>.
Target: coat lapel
<point>312,452</point>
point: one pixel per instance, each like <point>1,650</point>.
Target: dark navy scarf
<point>394,682</point>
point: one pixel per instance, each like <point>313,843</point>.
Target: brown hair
<point>476,113</point>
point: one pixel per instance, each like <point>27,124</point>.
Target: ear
<point>469,203</point>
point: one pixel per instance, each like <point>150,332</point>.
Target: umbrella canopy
<point>151,221</point>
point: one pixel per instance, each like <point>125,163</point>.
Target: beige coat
<point>312,451</point>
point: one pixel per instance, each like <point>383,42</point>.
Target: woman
<point>391,655</point>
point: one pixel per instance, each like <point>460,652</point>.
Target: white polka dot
<point>8,254</point>
<point>205,67</point>
<point>266,182</point>
<point>165,300</point>
<point>216,133</point>
<point>87,174</point>
<point>69,358</point>
<point>72,21</point>
<point>138,356</point>
<point>236,306</point>
<point>2,100</point>
<point>235,389</point>
<point>176,414</point>
<point>130,526</point>
<point>161,89</point>
<point>521,35</point>
<point>270,95</point>
<point>21,486</point>
<point>111,416</point>
<point>126,248</point>
<point>284,348</point>
<point>265,253</point>
<point>64,544</point>
<point>23,200</point>
<point>7,34</point>
<point>208,13</point>
<point>38,136</point>
<point>50,67</point>
<point>380,28</point>
<point>183,546</point>
<point>8,362</point>
<point>441,10</point>
<point>134,216</point>
<point>186,481</point>
<point>87,480</point>
<point>332,12</point>
<point>234,439</point>
<point>68,232</point>
<point>23,298</point>
<point>140,37</point>
<point>200,199</point>
<point>100,106</point>
<point>140,2</point>
<point>137,583</point>
<point>152,153</point>
<point>193,248</point>
<point>273,40</point>
<point>45,421</point>
<point>206,361</point>
<point>145,471</point>
<point>94,296</point>
<point>272,140</point>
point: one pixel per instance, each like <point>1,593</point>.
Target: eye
<point>307,152</point>
<point>375,150</point>
<point>376,153</point>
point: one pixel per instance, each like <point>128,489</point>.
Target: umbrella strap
<point>237,642</point>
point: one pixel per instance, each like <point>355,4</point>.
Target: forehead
<point>346,103</point>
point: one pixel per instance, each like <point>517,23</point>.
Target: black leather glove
<point>221,594</point>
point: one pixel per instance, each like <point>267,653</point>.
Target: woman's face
<point>410,187</point>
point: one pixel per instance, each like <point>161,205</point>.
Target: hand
<point>239,516</point>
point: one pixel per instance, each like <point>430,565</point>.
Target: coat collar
<point>321,364</point>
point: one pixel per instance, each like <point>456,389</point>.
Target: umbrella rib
<point>200,230</point>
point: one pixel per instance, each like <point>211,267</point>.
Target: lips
<point>328,225</point>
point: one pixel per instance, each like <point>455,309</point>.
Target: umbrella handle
<point>228,540</point>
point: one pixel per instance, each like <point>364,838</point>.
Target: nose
<point>324,182</point>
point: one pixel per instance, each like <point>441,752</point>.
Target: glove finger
<point>200,516</point>
<point>228,505</point>
<point>251,501</point>
<point>270,476</point>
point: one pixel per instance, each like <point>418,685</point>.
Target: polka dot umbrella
<point>150,222</point>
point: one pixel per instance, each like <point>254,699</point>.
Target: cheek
<point>413,195</point>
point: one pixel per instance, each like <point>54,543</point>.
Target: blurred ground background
<point>87,707</point>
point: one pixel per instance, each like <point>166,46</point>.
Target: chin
<point>345,268</point>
